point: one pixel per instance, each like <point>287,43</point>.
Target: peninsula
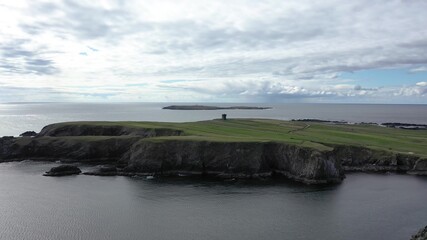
<point>308,152</point>
<point>204,107</point>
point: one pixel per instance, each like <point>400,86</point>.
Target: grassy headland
<point>322,136</point>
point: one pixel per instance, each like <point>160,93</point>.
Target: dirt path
<point>300,129</point>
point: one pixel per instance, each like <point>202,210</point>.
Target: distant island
<point>204,107</point>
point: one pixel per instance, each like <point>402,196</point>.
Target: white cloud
<point>419,69</point>
<point>269,49</point>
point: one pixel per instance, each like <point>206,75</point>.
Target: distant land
<point>204,107</point>
<point>408,126</point>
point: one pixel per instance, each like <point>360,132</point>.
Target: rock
<point>421,235</point>
<point>421,165</point>
<point>79,129</point>
<point>63,170</point>
<point>356,158</point>
<point>6,144</point>
<point>28,134</point>
<point>106,170</point>
<point>420,168</point>
<point>100,150</point>
<point>233,160</point>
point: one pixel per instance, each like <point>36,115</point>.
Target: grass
<point>322,136</point>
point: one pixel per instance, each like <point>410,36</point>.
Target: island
<point>304,151</point>
<point>204,107</point>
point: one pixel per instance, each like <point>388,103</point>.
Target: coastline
<point>174,149</point>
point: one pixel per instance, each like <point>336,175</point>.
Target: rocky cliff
<point>137,151</point>
<point>78,129</point>
<point>66,149</point>
<point>355,158</point>
<point>233,160</point>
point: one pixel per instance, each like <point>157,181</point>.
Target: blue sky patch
<point>385,77</point>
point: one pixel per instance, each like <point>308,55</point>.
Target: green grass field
<point>322,136</point>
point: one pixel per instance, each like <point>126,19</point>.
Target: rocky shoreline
<point>128,151</point>
<point>421,235</point>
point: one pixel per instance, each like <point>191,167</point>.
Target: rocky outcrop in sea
<point>63,170</point>
<point>421,235</point>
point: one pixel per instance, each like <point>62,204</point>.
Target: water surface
<point>364,206</point>
<point>17,118</point>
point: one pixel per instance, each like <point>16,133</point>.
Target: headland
<point>304,151</point>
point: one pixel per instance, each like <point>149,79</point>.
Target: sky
<point>213,51</point>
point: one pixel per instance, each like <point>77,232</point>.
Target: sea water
<point>16,118</point>
<point>364,206</point>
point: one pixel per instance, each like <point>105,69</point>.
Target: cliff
<point>233,160</point>
<point>355,158</point>
<point>104,129</point>
<point>200,149</point>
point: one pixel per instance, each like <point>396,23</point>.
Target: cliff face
<point>225,159</point>
<point>66,149</point>
<point>354,158</point>
<point>58,130</point>
<point>132,153</point>
<point>220,159</point>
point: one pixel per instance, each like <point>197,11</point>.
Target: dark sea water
<point>364,206</point>
<point>17,118</point>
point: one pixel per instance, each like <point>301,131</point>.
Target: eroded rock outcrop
<point>420,167</point>
<point>28,134</point>
<point>355,158</point>
<point>63,170</point>
<point>421,235</point>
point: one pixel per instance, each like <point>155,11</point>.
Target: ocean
<point>364,206</point>
<point>16,118</point>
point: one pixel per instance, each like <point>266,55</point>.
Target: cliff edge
<point>225,149</point>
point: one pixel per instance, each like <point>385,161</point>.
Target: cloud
<point>16,58</point>
<point>418,69</point>
<point>83,21</point>
<point>422,84</point>
<point>271,50</point>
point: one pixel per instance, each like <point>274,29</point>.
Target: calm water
<point>17,118</point>
<point>365,206</point>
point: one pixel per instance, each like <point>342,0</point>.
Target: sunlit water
<point>17,118</point>
<point>364,206</point>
